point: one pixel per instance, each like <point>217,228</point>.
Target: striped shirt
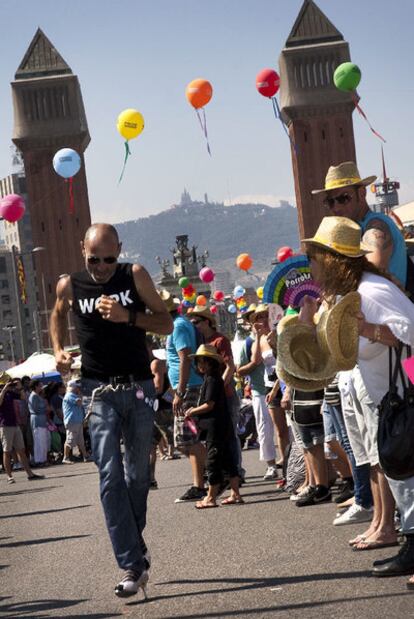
<point>332,394</point>
<point>307,407</point>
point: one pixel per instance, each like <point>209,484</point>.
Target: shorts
<point>187,434</point>
<point>11,437</point>
<point>309,435</point>
<point>361,418</point>
<point>74,435</point>
<point>164,419</point>
<point>275,402</point>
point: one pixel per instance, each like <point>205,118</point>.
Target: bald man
<point>114,304</point>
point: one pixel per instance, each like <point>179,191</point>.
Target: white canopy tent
<point>35,365</point>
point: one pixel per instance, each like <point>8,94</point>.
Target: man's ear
<point>82,244</point>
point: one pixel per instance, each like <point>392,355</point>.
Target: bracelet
<point>377,334</point>
<point>180,394</point>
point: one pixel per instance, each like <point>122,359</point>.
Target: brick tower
<point>49,115</point>
<point>318,115</point>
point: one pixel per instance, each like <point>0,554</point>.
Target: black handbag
<point>396,422</point>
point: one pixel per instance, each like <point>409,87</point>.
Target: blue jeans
<point>334,424</point>
<point>124,484</point>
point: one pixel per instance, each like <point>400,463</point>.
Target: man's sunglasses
<point>343,198</point>
<point>106,260</point>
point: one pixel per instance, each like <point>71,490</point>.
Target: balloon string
<point>203,125</point>
<point>364,116</point>
<point>278,115</point>
<point>71,198</point>
<point>127,153</point>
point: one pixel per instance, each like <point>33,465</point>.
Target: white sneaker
<point>65,461</point>
<point>355,513</point>
<point>271,473</point>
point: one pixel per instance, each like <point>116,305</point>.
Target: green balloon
<point>347,76</point>
<point>183,282</point>
<point>291,311</point>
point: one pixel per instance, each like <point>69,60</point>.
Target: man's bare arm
<point>58,324</point>
<point>378,239</point>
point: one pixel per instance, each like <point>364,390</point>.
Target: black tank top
<point>108,348</point>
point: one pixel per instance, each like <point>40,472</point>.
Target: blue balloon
<point>238,292</point>
<point>67,162</point>
<point>186,303</point>
<point>232,308</point>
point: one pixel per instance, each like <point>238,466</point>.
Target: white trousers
<point>41,444</point>
<point>264,427</point>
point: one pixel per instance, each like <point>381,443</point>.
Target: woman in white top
<point>274,395</point>
<point>340,266</point>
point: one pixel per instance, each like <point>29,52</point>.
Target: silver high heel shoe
<point>131,583</point>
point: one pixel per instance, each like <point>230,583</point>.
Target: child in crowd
<point>214,418</point>
<point>73,415</point>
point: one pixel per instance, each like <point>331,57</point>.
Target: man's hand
<point>63,361</point>
<point>189,412</point>
<point>112,310</point>
<point>177,405</point>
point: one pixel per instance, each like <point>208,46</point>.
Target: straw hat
<point>262,308</point>
<point>250,310</point>
<point>344,175</point>
<point>340,235</point>
<point>301,383</point>
<point>4,378</point>
<point>171,302</point>
<point>207,350</point>
<point>337,331</point>
<point>300,353</point>
<point>204,312</point>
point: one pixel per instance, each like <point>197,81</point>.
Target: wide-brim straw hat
<point>339,235</point>
<point>345,174</point>
<point>207,350</point>
<point>337,331</point>
<point>4,378</point>
<point>300,353</point>
<point>262,308</point>
<point>250,310</point>
<point>300,383</point>
<point>204,312</point>
<point>171,302</point>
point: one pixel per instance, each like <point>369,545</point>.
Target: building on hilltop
<point>318,115</point>
<point>49,115</point>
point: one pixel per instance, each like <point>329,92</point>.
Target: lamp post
<point>17,254</point>
<point>10,329</point>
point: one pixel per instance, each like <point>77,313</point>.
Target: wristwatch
<point>180,394</point>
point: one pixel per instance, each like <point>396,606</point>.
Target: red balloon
<point>189,290</point>
<point>218,295</point>
<point>12,208</point>
<point>213,309</point>
<point>284,253</point>
<point>267,82</point>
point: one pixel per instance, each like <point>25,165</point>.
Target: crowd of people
<point>186,392</point>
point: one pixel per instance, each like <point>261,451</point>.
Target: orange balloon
<point>244,262</point>
<point>201,300</point>
<point>199,93</point>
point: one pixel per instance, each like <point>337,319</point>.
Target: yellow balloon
<point>130,124</point>
<point>259,292</point>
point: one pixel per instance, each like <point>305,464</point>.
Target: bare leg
<point>385,529</point>
<point>342,462</point>
<point>377,514</point>
<point>317,464</point>
<point>282,431</point>
<point>197,456</point>
<point>7,463</point>
<point>21,454</point>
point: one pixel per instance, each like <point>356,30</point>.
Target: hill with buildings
<point>225,231</point>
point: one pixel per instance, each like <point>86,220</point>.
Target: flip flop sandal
<point>356,540</point>
<point>374,545</point>
<point>231,501</point>
<point>201,505</point>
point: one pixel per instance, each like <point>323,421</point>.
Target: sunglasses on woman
<point>343,198</point>
<point>106,260</point>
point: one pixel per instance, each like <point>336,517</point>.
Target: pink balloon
<point>284,253</point>
<point>12,208</point>
<point>206,275</point>
<point>213,309</point>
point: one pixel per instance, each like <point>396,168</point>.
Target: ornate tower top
<point>312,26</point>
<point>41,59</point>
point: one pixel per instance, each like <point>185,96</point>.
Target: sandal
<point>233,501</point>
<point>203,505</point>
<point>367,545</point>
<point>356,540</point>
<point>11,480</point>
<point>410,583</point>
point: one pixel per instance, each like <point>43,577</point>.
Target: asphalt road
<point>266,558</point>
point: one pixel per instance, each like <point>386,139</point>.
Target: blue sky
<point>142,54</point>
